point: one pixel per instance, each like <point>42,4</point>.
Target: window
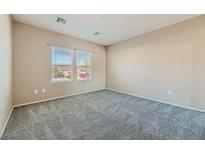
<point>61,64</point>
<point>84,64</point>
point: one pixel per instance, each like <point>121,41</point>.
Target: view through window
<point>84,65</point>
<point>61,64</point>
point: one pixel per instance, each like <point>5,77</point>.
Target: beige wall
<point>172,58</point>
<point>5,69</point>
<point>32,58</point>
<point>150,65</point>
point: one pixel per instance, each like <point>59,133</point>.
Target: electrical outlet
<point>43,90</point>
<point>36,91</point>
<point>169,92</point>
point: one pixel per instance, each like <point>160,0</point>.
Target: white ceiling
<point>113,28</point>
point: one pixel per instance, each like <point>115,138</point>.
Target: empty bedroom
<point>102,77</point>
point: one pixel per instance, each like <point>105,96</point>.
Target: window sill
<point>60,81</point>
<point>84,79</point>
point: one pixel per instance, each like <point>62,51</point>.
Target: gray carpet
<point>104,115</point>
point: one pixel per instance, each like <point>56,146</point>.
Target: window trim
<point>91,67</point>
<point>69,50</point>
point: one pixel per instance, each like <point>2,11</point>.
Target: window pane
<point>84,65</point>
<point>61,64</point>
<point>83,58</point>
<point>61,56</point>
<point>83,72</point>
<point>62,72</point>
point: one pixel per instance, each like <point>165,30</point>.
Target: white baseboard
<point>7,119</point>
<point>53,98</point>
<point>160,101</point>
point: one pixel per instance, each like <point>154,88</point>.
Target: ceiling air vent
<point>61,20</point>
<point>96,33</point>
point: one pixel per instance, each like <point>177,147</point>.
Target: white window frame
<point>91,67</point>
<point>72,65</point>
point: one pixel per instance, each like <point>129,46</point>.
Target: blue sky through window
<point>83,57</point>
<point>61,57</point>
